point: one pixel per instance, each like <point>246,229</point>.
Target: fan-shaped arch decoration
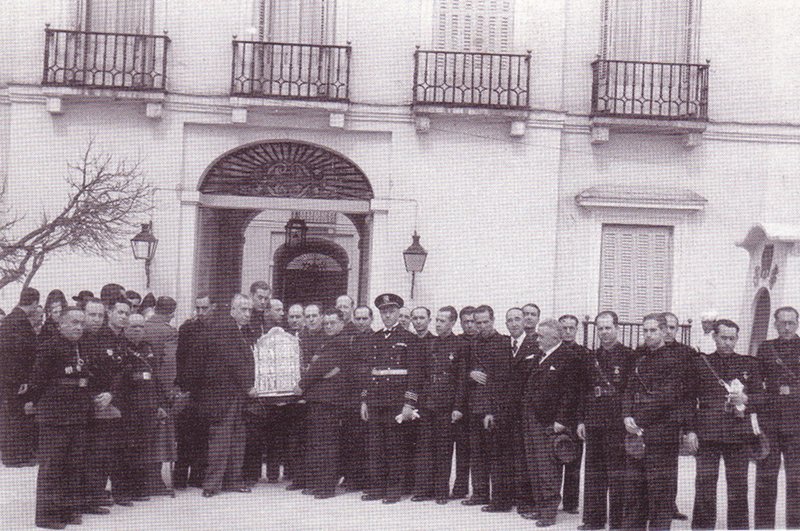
<point>287,169</point>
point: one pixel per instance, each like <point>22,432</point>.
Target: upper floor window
<point>473,25</point>
<point>650,30</point>
<point>116,16</point>
<point>296,21</point>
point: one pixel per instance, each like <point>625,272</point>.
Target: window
<point>635,270</point>
<point>650,30</point>
<point>296,21</point>
<point>473,25</point>
<point>116,16</point>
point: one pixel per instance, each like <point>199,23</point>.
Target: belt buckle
<point>784,390</point>
<point>598,391</point>
<point>146,376</point>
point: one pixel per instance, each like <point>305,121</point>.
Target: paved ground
<point>270,507</point>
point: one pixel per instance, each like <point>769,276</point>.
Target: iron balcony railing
<point>292,71</point>
<point>636,89</point>
<point>105,60</point>
<point>472,79</point>
<point>630,334</point>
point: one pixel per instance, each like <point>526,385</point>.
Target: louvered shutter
<point>473,25</point>
<point>297,21</point>
<point>635,270</point>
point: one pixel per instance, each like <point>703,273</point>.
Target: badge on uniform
<point>784,390</point>
<point>745,375</point>
<point>451,357</point>
<point>110,352</point>
<point>616,370</point>
<point>146,376</point>
<point>400,345</point>
<point>552,368</point>
<point>68,370</point>
<point>598,391</point>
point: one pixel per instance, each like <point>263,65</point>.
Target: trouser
<point>261,432</point>
<point>387,452</point>
<point>104,457</point>
<point>191,433</point>
<point>491,463</point>
<point>461,436</point>
<point>648,487</point>
<point>523,491</point>
<point>604,480</point>
<point>295,416</point>
<point>17,434</point>
<point>572,480</point>
<point>543,466</point>
<point>787,444</point>
<point>61,463</point>
<point>354,450</point>
<point>322,447</point>
<point>226,441</point>
<point>737,460</point>
<point>434,454</point>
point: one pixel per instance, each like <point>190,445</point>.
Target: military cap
<point>83,296</point>
<point>565,448</point>
<point>389,299</point>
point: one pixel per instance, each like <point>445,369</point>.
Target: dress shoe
<point>323,495</point>
<point>371,497</point>
<point>442,501</point>
<point>525,508</point>
<point>496,508</point>
<point>546,522</point>
<point>294,486</point>
<point>391,499</point>
<point>571,510</point>
<point>52,525</point>
<point>94,509</point>
<point>208,493</point>
<point>308,492</point>
<point>238,489</point>
<point>589,527</point>
<point>677,515</point>
<point>124,502</point>
<point>421,498</point>
<point>458,495</point>
<point>140,498</point>
<point>532,515</point>
<point>474,501</point>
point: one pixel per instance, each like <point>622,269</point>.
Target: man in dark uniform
<point>523,351</point>
<point>17,355</point>
<point>326,388</point>
<point>63,403</point>
<point>572,471</point>
<point>489,369</point>
<point>228,380</point>
<point>654,392</point>
<point>727,387</point>
<point>550,404</point>
<point>441,405</point>
<point>261,320</point>
<point>605,377</point>
<point>779,360</point>
<point>389,401</point>
<point>345,304</point>
<point>191,432</point>
<point>469,333</point>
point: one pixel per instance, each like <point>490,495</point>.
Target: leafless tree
<point>106,198</point>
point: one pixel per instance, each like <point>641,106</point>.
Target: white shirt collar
<point>546,354</point>
<point>519,339</point>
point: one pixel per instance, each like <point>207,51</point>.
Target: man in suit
<point>18,353</point>
<point>191,431</point>
<point>606,372</point>
<point>294,319</point>
<point>163,339</point>
<point>261,321</point>
<point>530,318</point>
<point>572,471</point>
<point>469,333</point>
<point>488,390</point>
<point>389,401</point>
<point>441,405</point>
<point>727,388</point>
<point>345,304</point>
<point>550,404</point>
<point>228,380</point>
<point>523,352</point>
<point>652,397</point>
<point>60,390</point>
<point>779,360</point>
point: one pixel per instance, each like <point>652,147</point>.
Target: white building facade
<point>633,155</point>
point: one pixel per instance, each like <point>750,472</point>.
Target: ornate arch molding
<point>286,169</point>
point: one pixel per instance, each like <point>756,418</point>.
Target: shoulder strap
<point>785,367</point>
<point>716,375</point>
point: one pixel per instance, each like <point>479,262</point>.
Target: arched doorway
<point>314,272</point>
<point>282,176</point>
<point>761,314</point>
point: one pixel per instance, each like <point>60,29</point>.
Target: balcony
<point>290,71</point>
<point>472,79</point>
<point>97,60</point>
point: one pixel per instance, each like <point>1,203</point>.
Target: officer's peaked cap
<point>389,299</point>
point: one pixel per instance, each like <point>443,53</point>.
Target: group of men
<point>389,410</point>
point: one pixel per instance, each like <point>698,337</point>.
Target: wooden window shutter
<point>297,21</point>
<point>635,270</point>
<point>473,25</point>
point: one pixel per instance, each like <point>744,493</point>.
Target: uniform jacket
<point>444,373</point>
<point>606,373</point>
<point>551,393</point>
<point>140,391</point>
<point>105,352</point>
<point>491,355</point>
<point>779,361</point>
<point>18,349</point>
<point>393,369</point>
<point>229,372</point>
<point>261,322</point>
<point>163,340</point>
<point>190,355</point>
<point>711,421</point>
<point>686,355</point>
<point>334,353</point>
<point>58,404</point>
<point>654,392</point>
<point>527,356</point>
